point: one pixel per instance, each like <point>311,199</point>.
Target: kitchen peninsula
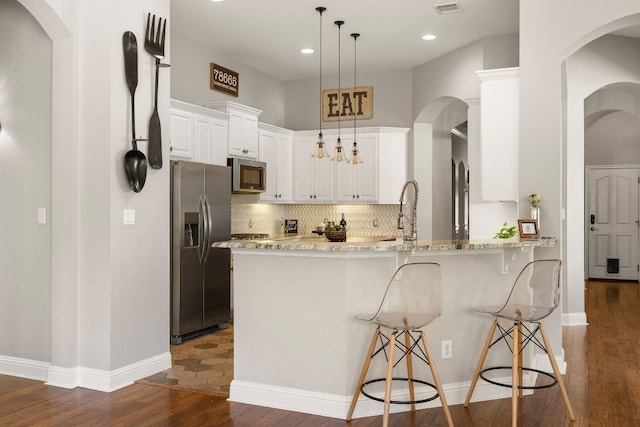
<point>298,345</point>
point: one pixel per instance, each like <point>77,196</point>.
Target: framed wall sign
<point>347,103</point>
<point>528,228</point>
<point>224,80</point>
<point>290,226</point>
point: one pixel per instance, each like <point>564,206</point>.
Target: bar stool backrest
<point>413,297</point>
<point>536,291</point>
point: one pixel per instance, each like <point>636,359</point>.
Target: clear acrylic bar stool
<point>534,296</point>
<point>412,300</point>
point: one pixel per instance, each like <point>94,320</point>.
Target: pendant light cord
<point>320,10</point>
<point>339,24</point>
<point>355,85</point>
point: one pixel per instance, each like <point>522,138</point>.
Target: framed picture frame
<point>528,228</point>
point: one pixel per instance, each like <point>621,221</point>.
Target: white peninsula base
<point>299,347</point>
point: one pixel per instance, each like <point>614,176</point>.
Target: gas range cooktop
<point>249,236</point>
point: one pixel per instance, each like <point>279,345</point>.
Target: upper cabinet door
<point>268,154</point>
<point>284,152</point>
<point>182,144</point>
<point>366,173</point>
<point>243,128</point>
<point>312,178</point>
<point>198,134</point>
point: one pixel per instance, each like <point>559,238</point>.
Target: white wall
<point>190,81</point>
<point>551,126</point>
<point>25,184</point>
<point>435,85</point>
<point>392,93</point>
<point>109,284</point>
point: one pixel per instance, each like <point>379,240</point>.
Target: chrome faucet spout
<point>414,213</point>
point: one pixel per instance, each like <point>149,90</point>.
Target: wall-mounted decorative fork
<point>154,44</point>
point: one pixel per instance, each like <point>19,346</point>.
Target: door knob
<point>594,229</point>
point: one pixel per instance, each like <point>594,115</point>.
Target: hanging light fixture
<point>338,153</point>
<point>320,151</point>
<point>355,153</point>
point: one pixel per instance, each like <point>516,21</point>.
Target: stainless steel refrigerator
<point>200,274</point>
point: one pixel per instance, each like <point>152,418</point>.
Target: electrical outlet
<point>375,222</point>
<point>447,349</point>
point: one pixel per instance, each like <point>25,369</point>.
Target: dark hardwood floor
<point>603,382</point>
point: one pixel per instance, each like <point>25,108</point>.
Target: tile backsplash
<point>249,216</point>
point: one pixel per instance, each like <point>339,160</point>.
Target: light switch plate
<point>129,216</point>
<point>42,215</point>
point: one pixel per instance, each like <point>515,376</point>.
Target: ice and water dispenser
<point>191,221</point>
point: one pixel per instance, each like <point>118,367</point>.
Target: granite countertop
<point>379,243</point>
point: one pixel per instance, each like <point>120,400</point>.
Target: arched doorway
<point>598,63</point>
<point>439,138</point>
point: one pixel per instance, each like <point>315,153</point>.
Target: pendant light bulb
<point>338,154</point>
<point>355,152</point>
<point>338,149</point>
<point>319,154</point>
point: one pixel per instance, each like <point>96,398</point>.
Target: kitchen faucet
<point>414,215</point>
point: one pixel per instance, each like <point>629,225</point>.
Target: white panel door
<point>612,223</point>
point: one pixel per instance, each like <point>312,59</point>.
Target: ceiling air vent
<point>451,7</point>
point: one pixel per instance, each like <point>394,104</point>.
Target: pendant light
<point>338,152</point>
<point>320,151</point>
<point>355,153</point>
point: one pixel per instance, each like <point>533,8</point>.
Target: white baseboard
<point>24,368</point>
<point>93,379</point>
<point>542,363</point>
<point>574,319</point>
<point>108,381</point>
<point>337,406</point>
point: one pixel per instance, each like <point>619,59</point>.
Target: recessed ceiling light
<point>429,37</point>
<point>307,51</point>
<point>216,1</point>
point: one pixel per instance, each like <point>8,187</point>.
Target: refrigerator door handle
<point>209,230</point>
<point>203,229</point>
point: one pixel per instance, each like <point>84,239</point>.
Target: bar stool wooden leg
<point>556,372</point>
<point>520,375</point>
<point>514,376</point>
<point>387,389</point>
<point>436,379</point>
<point>412,394</point>
<point>483,356</point>
<point>363,374</point>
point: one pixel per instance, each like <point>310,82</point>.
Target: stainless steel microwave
<point>247,176</point>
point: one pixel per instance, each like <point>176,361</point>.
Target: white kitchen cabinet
<point>358,183</point>
<point>182,139</point>
<point>243,128</point>
<point>312,178</point>
<point>392,163</point>
<point>499,123</point>
<point>382,173</point>
<point>198,134</point>
<point>276,149</point>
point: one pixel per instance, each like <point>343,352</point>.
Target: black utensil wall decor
<point>135,162</point>
<point>154,44</point>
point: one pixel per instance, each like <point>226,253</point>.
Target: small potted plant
<point>505,232</point>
